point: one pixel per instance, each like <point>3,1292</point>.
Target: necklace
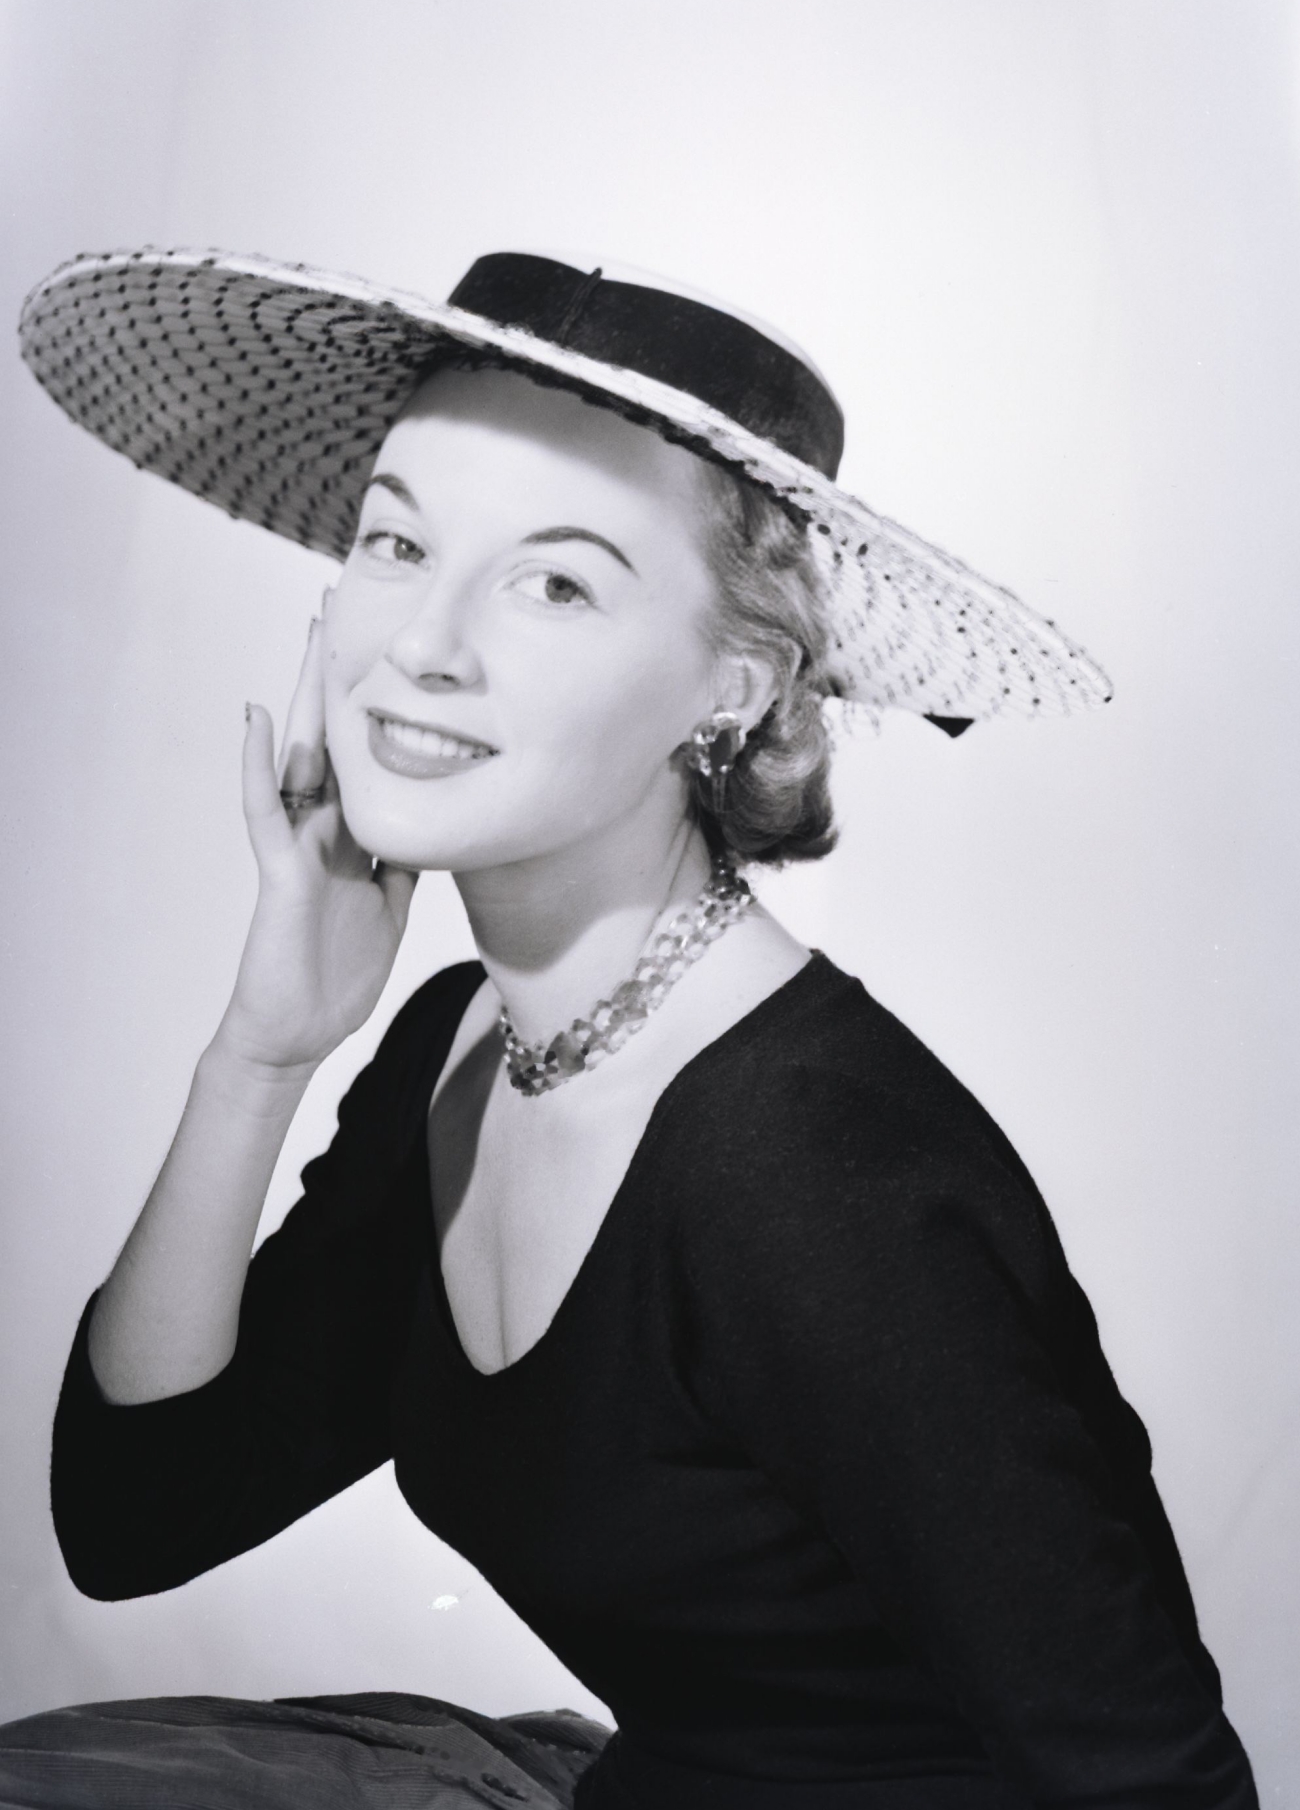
<point>536,1068</point>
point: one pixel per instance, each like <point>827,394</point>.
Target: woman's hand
<point>328,919</point>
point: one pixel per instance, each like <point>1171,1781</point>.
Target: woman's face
<point>517,642</point>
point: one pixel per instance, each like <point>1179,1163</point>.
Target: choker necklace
<point>536,1068</point>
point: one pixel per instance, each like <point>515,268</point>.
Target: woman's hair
<point>777,803</point>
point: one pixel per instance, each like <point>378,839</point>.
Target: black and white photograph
<point>651,882</point>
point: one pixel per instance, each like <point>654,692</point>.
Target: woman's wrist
<point>250,1081</point>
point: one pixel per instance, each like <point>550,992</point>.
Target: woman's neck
<point>559,932</point>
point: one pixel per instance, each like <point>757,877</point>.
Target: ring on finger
<point>308,798</point>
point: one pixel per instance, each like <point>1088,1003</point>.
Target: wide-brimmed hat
<point>268,388</point>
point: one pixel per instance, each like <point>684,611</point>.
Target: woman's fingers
<point>268,827</point>
<point>302,755</point>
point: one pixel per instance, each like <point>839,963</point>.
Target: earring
<point>713,750</point>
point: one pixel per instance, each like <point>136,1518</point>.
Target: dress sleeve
<point>147,1496</point>
<point>897,1342</point>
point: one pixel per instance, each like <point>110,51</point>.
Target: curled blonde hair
<point>770,604</point>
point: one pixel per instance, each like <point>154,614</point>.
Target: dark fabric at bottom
<point>373,1751</point>
<point>624,1779</point>
<point>389,1751</point>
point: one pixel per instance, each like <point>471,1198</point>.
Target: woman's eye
<point>554,589</point>
<point>392,548</point>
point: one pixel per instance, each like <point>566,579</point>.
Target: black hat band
<point>711,355</point>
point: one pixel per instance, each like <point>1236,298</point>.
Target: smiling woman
<point>693,1300</point>
<point>530,586</point>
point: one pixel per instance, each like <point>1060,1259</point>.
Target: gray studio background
<point>1047,252</point>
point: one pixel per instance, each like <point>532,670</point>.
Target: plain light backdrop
<point>1047,252</point>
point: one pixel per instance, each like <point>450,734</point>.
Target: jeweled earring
<point>713,750</point>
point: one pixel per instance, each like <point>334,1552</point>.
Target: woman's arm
<point>322,941</point>
<point>902,1349</point>
<point>166,1319</point>
<point>146,1496</point>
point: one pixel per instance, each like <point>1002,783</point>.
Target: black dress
<point>819,1477</point>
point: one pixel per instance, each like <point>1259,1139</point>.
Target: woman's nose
<point>432,648</point>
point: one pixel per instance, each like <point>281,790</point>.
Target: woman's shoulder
<point>380,1117</point>
<point>821,1063</point>
<point>822,1127</point>
<point>391,1093</point>
<point>437,1004</point>
<point>424,1026</point>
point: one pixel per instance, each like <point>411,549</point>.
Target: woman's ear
<point>747,685</point>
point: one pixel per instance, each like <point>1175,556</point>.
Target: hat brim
<point>267,389</point>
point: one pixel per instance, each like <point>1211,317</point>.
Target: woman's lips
<point>419,753</point>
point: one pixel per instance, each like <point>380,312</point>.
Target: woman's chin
<point>392,838</point>
<point>443,841</point>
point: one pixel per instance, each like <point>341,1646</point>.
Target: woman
<point>739,1353</point>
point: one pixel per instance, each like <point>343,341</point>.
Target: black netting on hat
<point>267,402</point>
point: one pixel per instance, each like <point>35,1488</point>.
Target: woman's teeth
<point>432,742</point>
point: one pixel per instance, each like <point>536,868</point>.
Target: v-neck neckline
<point>751,1024</point>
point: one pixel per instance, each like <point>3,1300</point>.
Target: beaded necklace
<point>536,1068</point>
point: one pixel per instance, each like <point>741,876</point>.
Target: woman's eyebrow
<point>547,536</point>
<point>387,480</point>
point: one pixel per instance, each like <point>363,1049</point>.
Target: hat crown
<point>720,358</point>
